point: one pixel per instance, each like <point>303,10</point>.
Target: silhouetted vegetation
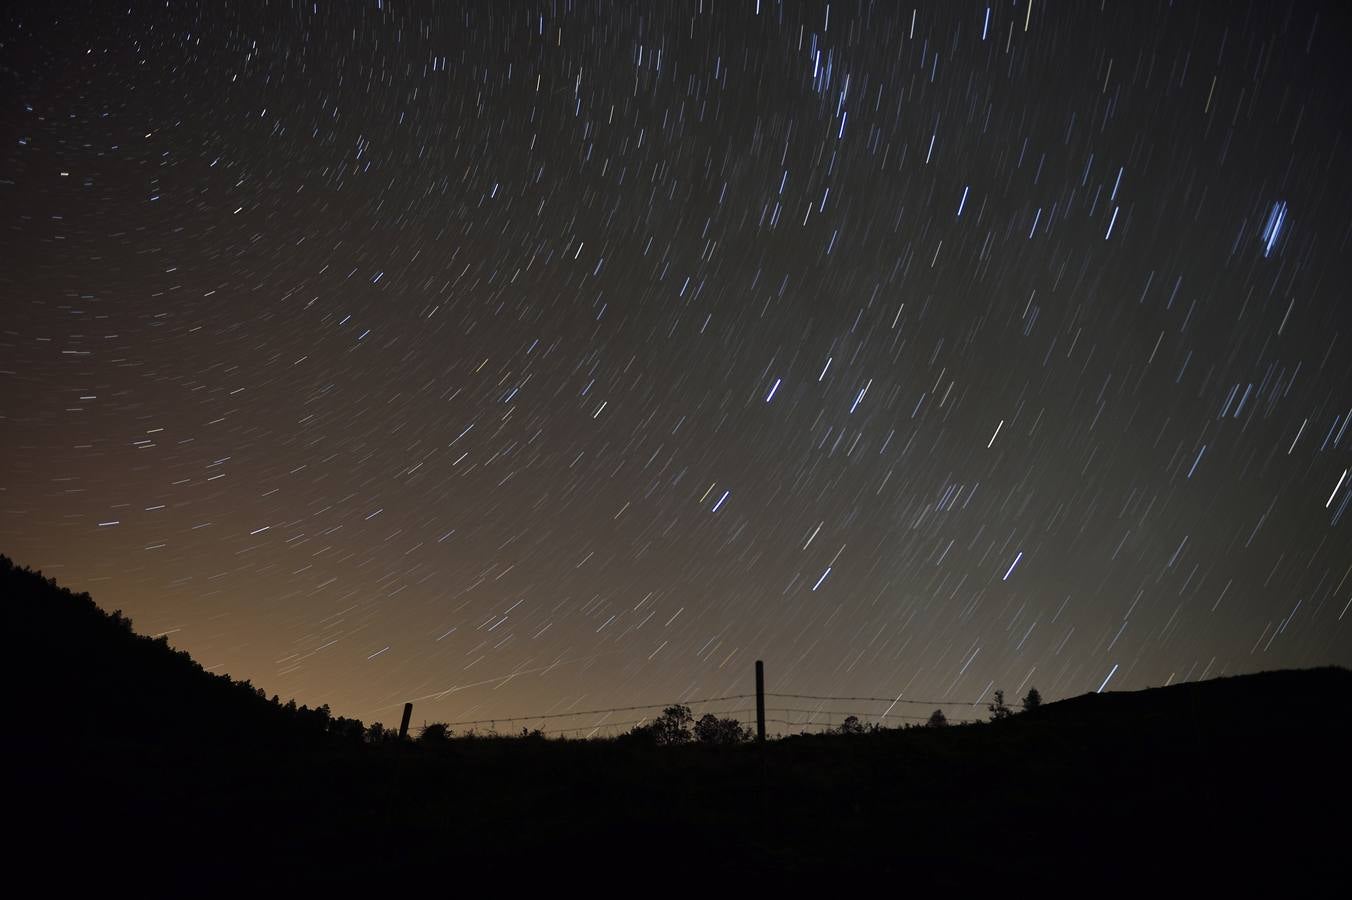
<point>851,725</point>
<point>672,728</point>
<point>121,682</point>
<point>139,764</point>
<point>998,709</point>
<point>434,733</point>
<point>717,732</point>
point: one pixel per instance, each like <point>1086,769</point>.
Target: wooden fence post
<point>403,726</point>
<point>760,701</point>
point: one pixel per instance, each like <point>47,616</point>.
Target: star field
<point>514,358</point>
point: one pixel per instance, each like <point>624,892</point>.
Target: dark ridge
<point>140,770</point>
<point>102,681</point>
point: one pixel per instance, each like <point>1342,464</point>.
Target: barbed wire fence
<point>826,715</point>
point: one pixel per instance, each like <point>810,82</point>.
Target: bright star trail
<point>526,357</point>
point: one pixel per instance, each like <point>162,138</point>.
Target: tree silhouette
<point>1032,701</point>
<point>350,730</point>
<point>851,725</point>
<point>673,726</point>
<point>998,708</point>
<point>720,732</point>
<point>937,719</point>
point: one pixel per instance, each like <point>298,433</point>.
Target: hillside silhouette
<point>136,767</point>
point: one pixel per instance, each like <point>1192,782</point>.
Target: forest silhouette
<point>135,766</point>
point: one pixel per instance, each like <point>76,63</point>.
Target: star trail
<point>519,358</point>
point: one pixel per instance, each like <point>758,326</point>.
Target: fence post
<point>760,701</point>
<point>403,726</point>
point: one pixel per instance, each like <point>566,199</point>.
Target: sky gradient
<point>523,358</point>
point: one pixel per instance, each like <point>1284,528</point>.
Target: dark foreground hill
<point>136,769</point>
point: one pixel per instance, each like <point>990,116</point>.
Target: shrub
<point>720,732</point>
<point>435,733</point>
<point>998,708</point>
<point>851,725</point>
<point>673,726</point>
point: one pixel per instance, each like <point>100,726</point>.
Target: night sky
<point>525,358</point>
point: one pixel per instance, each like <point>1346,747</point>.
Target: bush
<point>435,733</point>
<point>673,726</point>
<point>851,725</point>
<point>719,732</point>
<point>998,708</point>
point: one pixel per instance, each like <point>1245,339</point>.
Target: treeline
<point>110,683</point>
<point>122,683</point>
